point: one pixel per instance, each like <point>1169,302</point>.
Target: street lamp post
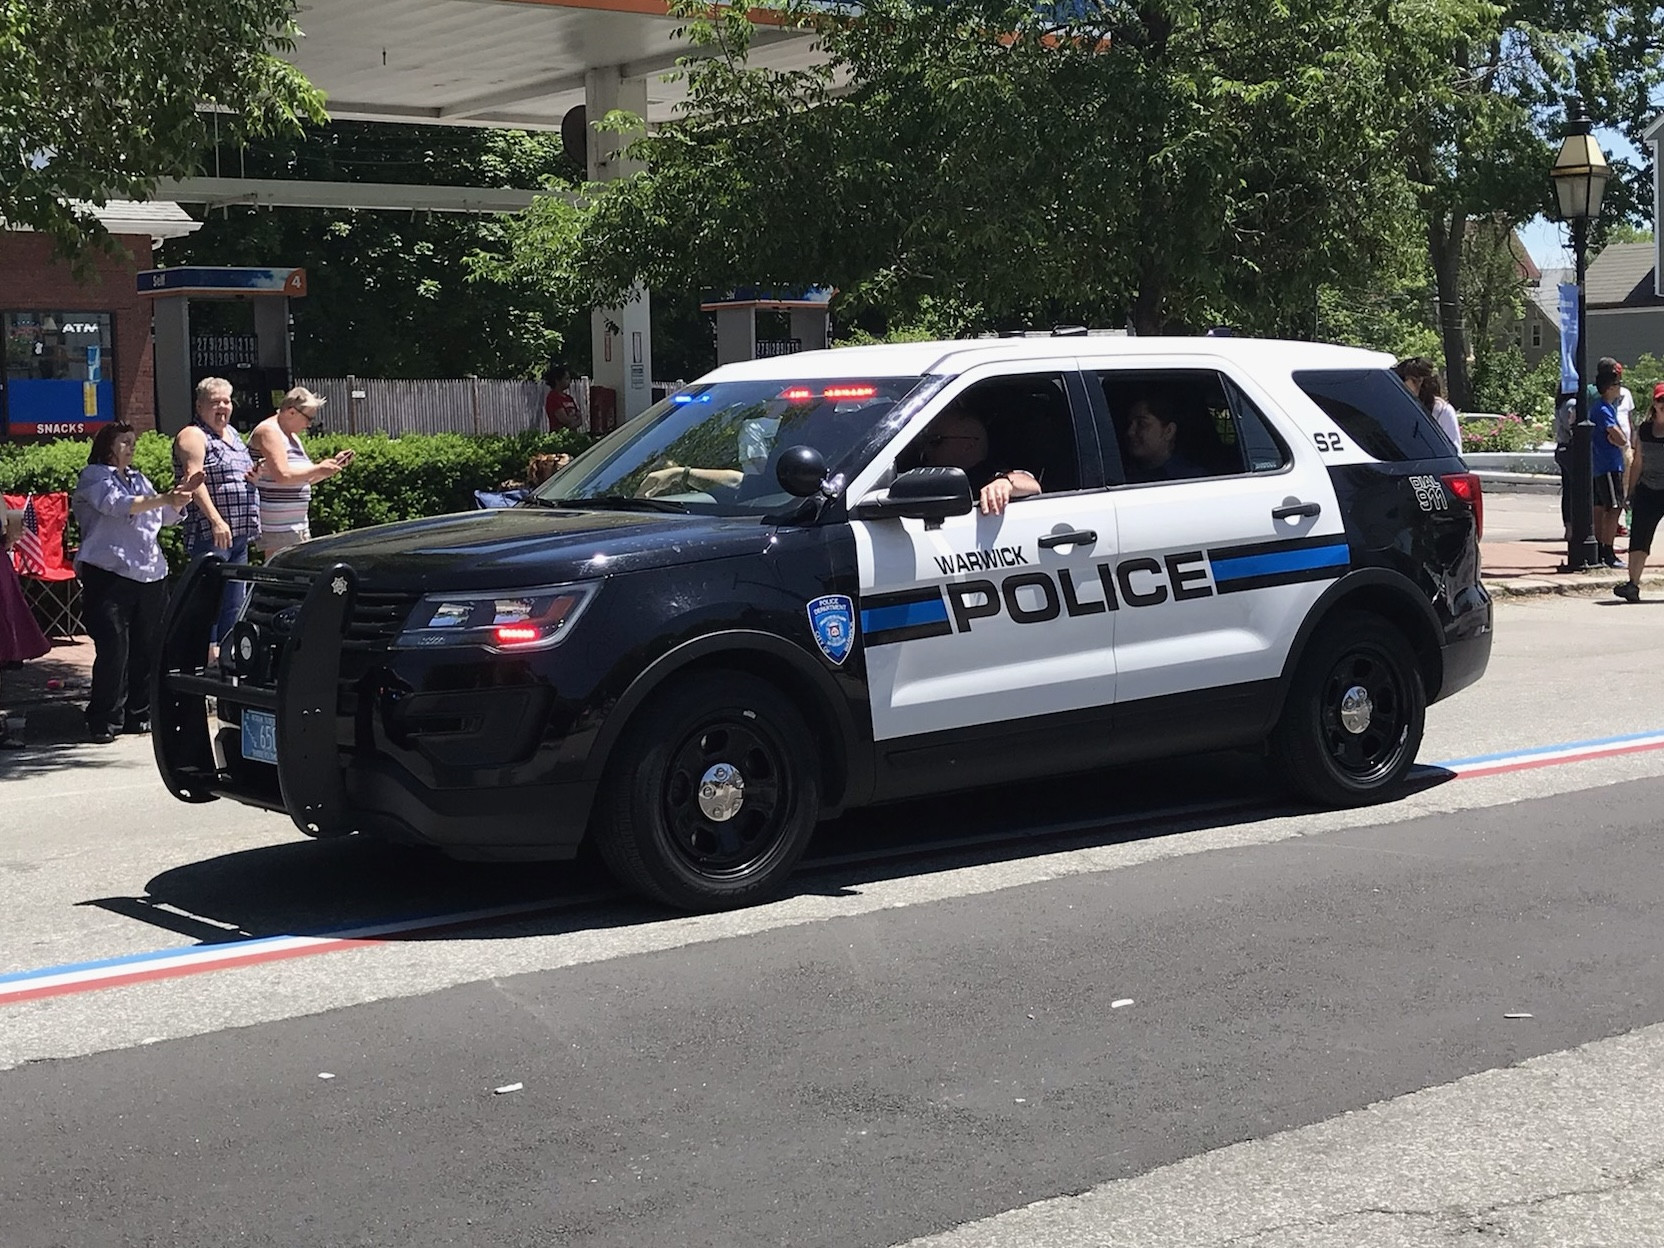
<point>1580,174</point>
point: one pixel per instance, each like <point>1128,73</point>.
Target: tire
<point>1324,754</point>
<point>656,832</point>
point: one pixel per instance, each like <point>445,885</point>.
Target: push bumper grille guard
<point>303,699</point>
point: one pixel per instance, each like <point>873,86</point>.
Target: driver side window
<point>1008,424</point>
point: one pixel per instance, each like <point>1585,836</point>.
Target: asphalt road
<point>1161,1007</point>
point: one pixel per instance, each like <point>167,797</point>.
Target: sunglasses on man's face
<point>936,439</point>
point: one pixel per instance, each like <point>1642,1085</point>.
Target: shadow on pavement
<point>325,887</point>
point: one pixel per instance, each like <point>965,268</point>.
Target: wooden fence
<point>464,405</point>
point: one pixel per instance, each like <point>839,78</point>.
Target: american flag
<point>31,555</point>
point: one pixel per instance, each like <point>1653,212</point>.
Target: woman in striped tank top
<point>287,473</point>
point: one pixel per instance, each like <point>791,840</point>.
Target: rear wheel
<point>1355,712</point>
<point>712,794</point>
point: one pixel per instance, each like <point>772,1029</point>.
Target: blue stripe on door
<point>1273,562</point>
<point>904,615</point>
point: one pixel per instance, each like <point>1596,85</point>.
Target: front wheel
<point>1355,713</point>
<point>712,796</point>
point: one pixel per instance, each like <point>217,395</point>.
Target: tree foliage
<point>1489,83</point>
<point>1174,164</point>
<point>101,99</point>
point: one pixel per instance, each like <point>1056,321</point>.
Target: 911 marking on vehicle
<point>1140,581</point>
<point>1430,493</point>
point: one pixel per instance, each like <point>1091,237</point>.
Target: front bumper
<point>357,749</point>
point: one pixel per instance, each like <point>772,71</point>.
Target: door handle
<point>1069,537</point>
<point>1295,509</point>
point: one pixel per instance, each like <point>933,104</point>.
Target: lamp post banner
<point>1568,337</point>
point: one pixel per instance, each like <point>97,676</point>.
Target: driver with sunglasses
<point>957,439</point>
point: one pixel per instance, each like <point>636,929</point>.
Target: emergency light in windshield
<point>804,394</point>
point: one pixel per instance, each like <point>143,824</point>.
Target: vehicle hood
<point>526,546</point>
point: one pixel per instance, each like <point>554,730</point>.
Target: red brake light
<point>850,392</point>
<point>516,634</point>
<point>797,394</point>
<point>1465,486</point>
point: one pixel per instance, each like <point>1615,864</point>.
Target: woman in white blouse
<point>123,577</point>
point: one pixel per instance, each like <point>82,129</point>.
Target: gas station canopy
<point>509,63</point>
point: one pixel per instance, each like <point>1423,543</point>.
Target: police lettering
<point>981,560</point>
<point>1037,597</point>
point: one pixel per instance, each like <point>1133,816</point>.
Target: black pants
<point>124,619</point>
<point>1563,458</point>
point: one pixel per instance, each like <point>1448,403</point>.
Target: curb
<point>1571,584</point>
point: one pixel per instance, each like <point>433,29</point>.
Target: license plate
<point>259,736</point>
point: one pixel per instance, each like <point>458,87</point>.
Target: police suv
<point>782,593</point>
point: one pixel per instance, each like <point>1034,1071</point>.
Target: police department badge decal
<point>832,621</point>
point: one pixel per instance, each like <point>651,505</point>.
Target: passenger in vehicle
<point>1151,438</point>
<point>957,439</point>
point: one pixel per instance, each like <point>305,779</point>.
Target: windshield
<point>712,448</point>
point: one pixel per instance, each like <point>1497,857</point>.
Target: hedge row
<point>390,478</point>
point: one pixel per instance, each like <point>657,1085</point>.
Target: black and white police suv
<point>777,596</point>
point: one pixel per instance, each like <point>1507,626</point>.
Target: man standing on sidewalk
<point>1608,456</point>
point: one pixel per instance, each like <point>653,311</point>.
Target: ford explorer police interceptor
<point>766,601</point>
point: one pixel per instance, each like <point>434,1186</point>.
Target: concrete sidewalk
<point>1521,553</point>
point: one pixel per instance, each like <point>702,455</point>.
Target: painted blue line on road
<point>70,968</point>
<point>1508,755</point>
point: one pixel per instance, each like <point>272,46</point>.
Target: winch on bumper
<point>320,718</point>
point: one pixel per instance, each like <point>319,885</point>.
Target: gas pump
<point>258,365</point>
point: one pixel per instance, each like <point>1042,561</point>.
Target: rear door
<point>1219,567</point>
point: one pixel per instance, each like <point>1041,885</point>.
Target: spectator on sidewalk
<point>1626,421</point>
<point>1565,416</point>
<point>224,514</point>
<point>123,577</point>
<point>20,636</point>
<point>1608,463</point>
<point>559,407</point>
<point>1648,494</point>
<point>286,473</point>
<point>1422,380</point>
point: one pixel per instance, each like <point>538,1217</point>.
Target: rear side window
<point>1373,408</point>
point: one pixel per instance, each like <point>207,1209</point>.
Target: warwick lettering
<point>981,560</point>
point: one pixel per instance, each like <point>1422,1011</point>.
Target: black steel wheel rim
<point>731,848</point>
<point>1368,756</point>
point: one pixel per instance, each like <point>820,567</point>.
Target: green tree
<point>100,99</point>
<point>1484,92</point>
<point>1171,164</point>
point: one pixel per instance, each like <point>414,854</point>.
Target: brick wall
<point>31,279</point>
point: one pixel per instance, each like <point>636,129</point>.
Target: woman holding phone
<point>285,473</point>
<point>123,577</point>
<point>1646,494</point>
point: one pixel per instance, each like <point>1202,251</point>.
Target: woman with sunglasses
<point>1647,493</point>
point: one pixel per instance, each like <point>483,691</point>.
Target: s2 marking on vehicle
<point>1141,581</point>
<point>982,560</point>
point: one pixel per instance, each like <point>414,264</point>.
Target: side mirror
<point>800,470</point>
<point>920,494</point>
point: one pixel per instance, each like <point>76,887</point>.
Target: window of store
<point>60,373</point>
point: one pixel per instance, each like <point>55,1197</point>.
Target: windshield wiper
<point>614,502</point>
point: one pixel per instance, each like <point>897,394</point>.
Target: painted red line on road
<point>179,970</point>
<point>1581,756</point>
